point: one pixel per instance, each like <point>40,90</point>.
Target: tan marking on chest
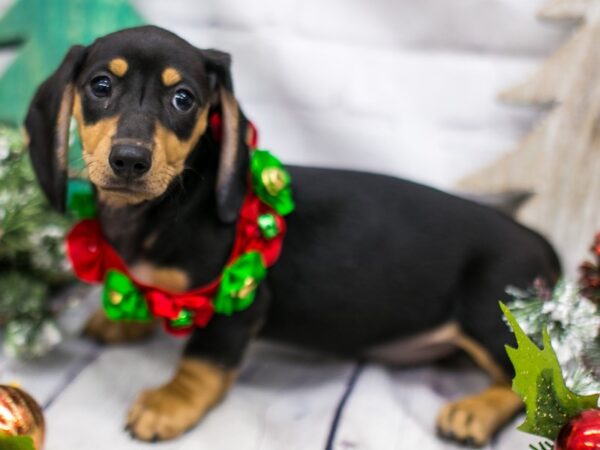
<point>167,278</point>
<point>170,76</point>
<point>118,67</point>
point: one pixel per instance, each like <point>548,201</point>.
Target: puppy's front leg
<point>205,374</point>
<point>170,410</point>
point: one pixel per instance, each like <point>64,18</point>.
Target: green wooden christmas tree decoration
<point>46,29</point>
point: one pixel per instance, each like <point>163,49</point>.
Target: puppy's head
<point>141,98</point>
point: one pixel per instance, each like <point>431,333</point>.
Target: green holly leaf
<point>539,382</point>
<point>16,442</point>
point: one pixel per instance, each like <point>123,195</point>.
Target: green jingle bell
<point>185,319</point>
<point>268,225</point>
<point>271,182</point>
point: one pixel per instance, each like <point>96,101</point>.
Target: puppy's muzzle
<point>129,161</point>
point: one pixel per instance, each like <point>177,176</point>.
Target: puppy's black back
<point>370,258</point>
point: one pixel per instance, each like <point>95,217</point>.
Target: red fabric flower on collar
<point>90,255</point>
<point>251,237</point>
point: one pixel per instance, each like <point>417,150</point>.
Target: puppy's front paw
<point>107,331</point>
<point>161,414</point>
<point>474,420</point>
<point>169,411</point>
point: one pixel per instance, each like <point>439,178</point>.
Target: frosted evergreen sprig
<point>573,324</point>
<point>32,259</point>
<point>565,313</point>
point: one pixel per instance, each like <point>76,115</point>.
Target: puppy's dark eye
<point>183,100</point>
<point>101,86</point>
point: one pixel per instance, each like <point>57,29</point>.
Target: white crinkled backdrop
<point>396,86</point>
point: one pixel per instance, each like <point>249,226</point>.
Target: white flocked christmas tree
<point>559,160</point>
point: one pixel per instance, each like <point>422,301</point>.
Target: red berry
<point>582,432</point>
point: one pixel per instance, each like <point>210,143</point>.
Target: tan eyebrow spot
<point>170,76</point>
<point>118,67</point>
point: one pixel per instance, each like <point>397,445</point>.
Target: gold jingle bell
<point>115,297</point>
<point>247,288</point>
<point>20,415</point>
<point>274,180</point>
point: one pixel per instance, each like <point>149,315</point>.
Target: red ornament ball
<point>582,432</point>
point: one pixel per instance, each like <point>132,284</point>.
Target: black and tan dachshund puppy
<point>372,266</point>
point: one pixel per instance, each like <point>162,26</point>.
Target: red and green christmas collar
<point>259,234</point>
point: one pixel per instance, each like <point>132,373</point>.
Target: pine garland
<point>572,322</point>
<point>571,314</point>
<point>32,260</point>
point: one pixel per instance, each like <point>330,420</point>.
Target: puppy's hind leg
<point>474,420</point>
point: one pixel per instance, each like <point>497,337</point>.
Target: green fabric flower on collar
<point>271,182</point>
<point>122,300</point>
<point>239,282</point>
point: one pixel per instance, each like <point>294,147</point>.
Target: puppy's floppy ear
<point>47,125</point>
<point>233,160</point>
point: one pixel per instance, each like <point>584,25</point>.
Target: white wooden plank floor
<point>395,409</point>
<point>284,399</point>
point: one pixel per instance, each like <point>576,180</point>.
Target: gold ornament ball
<point>20,415</point>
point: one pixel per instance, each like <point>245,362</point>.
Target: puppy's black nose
<point>129,161</point>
